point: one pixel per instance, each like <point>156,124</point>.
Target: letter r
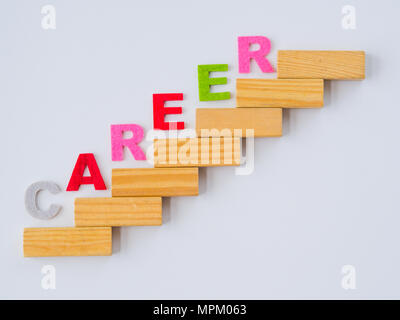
<point>245,55</point>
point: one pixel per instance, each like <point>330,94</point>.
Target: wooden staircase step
<point>310,64</point>
<point>55,242</point>
<point>216,122</point>
<point>161,182</point>
<point>116,212</point>
<point>197,152</point>
<point>279,93</point>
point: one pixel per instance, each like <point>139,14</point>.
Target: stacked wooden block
<point>137,193</point>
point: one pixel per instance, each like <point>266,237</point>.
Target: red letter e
<point>159,111</point>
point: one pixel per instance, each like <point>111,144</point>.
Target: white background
<point>322,196</point>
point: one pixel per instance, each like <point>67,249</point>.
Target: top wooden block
<point>340,65</point>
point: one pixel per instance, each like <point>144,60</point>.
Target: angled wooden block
<point>279,93</point>
<point>56,242</point>
<point>116,212</point>
<point>163,182</point>
<point>310,64</point>
<point>197,152</point>
<point>216,122</point>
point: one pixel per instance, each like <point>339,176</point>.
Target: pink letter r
<point>118,142</point>
<point>245,55</point>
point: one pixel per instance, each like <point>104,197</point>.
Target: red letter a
<point>77,178</point>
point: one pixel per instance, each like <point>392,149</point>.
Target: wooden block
<point>197,152</point>
<point>115,212</point>
<point>279,93</point>
<point>55,242</point>
<point>266,122</point>
<point>168,182</point>
<point>344,65</point>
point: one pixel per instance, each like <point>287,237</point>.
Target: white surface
<point>322,196</point>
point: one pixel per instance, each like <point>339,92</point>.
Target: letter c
<point>31,204</point>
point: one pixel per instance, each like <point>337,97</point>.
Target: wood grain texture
<point>116,212</point>
<point>341,65</point>
<point>164,182</point>
<point>197,152</point>
<point>279,93</point>
<point>56,242</point>
<point>216,122</point>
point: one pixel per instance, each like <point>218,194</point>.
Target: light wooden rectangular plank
<point>116,212</point>
<point>309,64</point>
<point>163,182</point>
<point>197,152</point>
<point>55,242</point>
<point>216,122</point>
<point>279,93</point>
